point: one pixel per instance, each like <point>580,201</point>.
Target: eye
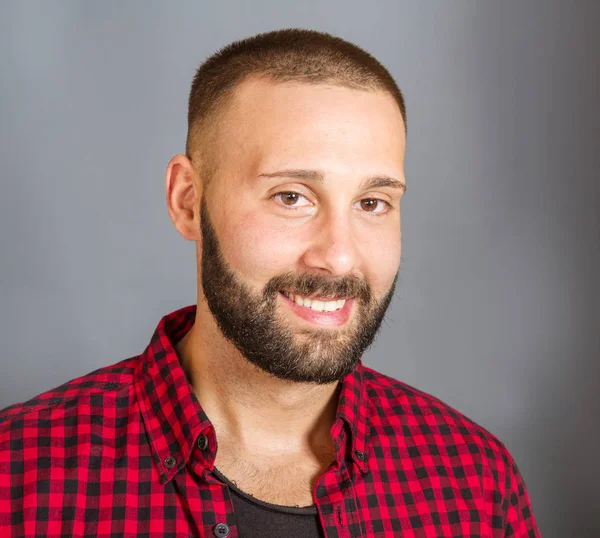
<point>369,205</point>
<point>289,198</point>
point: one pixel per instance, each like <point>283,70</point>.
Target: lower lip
<point>324,319</point>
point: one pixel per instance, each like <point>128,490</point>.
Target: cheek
<point>381,257</point>
<point>258,250</point>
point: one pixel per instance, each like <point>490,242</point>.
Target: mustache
<point>310,284</point>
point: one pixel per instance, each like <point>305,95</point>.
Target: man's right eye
<point>289,198</point>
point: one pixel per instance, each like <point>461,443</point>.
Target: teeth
<point>319,306</point>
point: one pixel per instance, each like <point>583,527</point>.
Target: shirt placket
<point>338,507</point>
<point>209,501</point>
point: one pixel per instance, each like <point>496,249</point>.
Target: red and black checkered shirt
<point>128,451</point>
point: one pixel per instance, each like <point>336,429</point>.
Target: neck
<point>248,406</point>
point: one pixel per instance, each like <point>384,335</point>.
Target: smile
<point>319,305</point>
<point>324,313</point>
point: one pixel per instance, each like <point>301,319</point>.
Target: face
<point>301,238</point>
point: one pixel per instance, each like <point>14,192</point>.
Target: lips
<point>333,318</point>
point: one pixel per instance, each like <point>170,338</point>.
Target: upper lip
<point>317,298</point>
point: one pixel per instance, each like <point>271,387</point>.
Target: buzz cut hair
<point>288,55</point>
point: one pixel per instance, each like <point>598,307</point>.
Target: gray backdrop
<point>497,308</point>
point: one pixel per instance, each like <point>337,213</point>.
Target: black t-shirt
<point>259,519</point>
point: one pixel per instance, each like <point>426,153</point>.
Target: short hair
<point>292,54</point>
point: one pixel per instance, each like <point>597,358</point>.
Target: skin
<point>268,427</point>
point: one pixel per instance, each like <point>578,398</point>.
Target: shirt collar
<point>174,419</point>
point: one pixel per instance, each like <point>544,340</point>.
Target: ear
<point>183,192</point>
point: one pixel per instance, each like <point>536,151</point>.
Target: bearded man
<point>251,413</point>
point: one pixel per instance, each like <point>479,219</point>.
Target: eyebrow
<point>371,182</point>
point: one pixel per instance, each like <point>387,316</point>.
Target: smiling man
<point>251,413</point>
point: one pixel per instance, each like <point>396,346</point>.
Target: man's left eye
<point>368,203</point>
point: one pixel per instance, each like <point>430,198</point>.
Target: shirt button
<point>170,462</point>
<point>202,442</point>
<point>221,530</point>
<point>360,455</point>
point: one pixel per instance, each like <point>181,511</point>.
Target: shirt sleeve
<point>520,521</point>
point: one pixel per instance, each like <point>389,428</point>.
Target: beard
<point>252,323</point>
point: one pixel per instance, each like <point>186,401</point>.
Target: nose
<point>334,248</point>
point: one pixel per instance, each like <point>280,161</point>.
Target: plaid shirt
<point>128,451</point>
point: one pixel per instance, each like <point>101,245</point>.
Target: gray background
<point>497,309</point>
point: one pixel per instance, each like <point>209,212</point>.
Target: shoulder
<point>398,409</point>
<point>75,397</point>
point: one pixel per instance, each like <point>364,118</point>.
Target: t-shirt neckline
<point>297,510</point>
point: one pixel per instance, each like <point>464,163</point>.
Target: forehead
<point>312,126</point>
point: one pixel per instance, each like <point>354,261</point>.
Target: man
<point>251,414</point>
